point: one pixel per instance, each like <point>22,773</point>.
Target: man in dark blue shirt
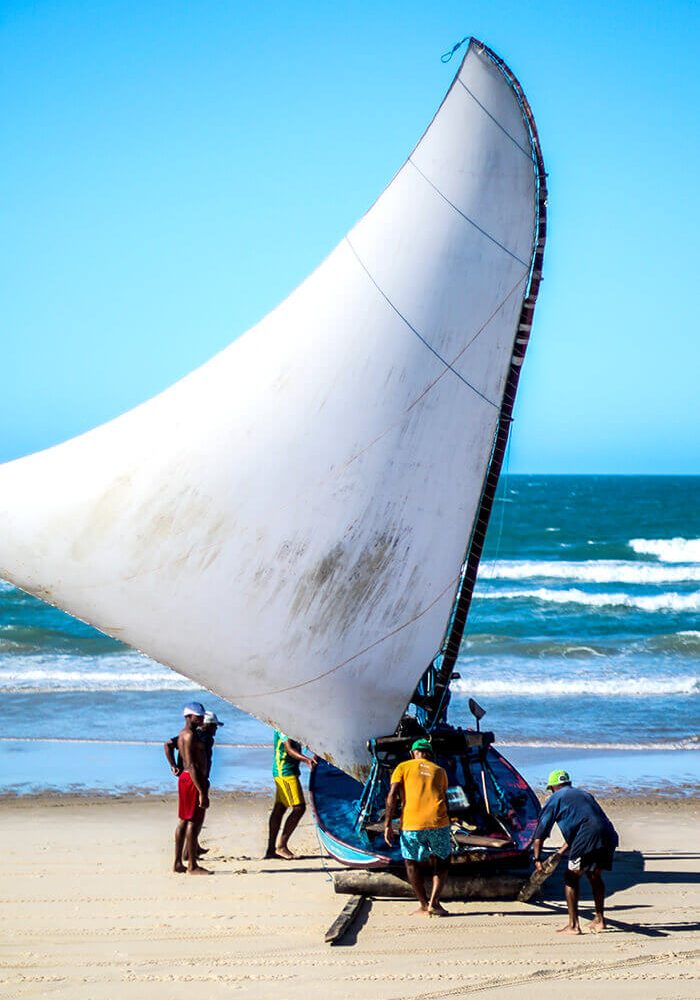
<point>590,839</point>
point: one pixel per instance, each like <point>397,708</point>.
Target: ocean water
<point>583,645</point>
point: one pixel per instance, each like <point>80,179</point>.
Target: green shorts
<point>420,845</point>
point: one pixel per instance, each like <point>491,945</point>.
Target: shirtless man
<point>206,733</point>
<point>192,791</point>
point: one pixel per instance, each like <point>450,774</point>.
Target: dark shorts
<point>600,859</point>
<point>188,806</point>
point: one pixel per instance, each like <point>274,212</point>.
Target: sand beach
<point>91,910</point>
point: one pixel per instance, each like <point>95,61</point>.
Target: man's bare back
<point>193,791</point>
<point>194,755</point>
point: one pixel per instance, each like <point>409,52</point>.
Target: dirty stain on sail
<point>287,524</point>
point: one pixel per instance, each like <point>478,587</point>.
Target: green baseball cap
<point>424,745</point>
<point>558,778</point>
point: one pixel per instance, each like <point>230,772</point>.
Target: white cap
<point>210,719</point>
<point>194,708</point>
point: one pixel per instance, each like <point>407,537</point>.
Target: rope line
<point>459,211</point>
<point>446,56</point>
<point>355,656</point>
<point>419,335</point>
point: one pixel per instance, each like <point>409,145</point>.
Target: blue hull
<point>335,800</point>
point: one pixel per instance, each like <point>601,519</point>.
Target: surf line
<point>128,743</point>
<point>690,744</point>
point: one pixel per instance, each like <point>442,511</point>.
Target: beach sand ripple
<point>91,911</point>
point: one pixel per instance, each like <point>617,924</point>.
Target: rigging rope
<point>446,56</point>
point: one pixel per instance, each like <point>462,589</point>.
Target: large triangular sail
<point>287,524</point>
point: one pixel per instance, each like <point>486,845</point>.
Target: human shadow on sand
<point>630,870</point>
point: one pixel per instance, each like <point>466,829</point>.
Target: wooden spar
<point>502,885</point>
<point>537,879</point>
<point>344,921</point>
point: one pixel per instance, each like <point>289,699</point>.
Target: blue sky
<point>170,171</point>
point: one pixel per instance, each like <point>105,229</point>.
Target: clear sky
<point>171,170</point>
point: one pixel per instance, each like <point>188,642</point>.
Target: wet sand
<point>91,910</point>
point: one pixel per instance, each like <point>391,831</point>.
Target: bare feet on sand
<point>438,910</point>
<point>198,870</point>
<point>422,911</point>
<point>284,852</point>
<point>569,930</point>
<point>597,925</point>
<point>179,868</point>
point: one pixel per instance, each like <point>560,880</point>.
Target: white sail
<point>287,524</point>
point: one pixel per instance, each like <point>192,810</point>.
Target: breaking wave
<point>590,571</point>
<point>127,672</point>
<point>673,550</point>
<point>690,744</point>
<point>669,601</point>
<point>485,644</point>
<point>615,687</point>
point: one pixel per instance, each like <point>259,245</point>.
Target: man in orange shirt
<point>425,824</point>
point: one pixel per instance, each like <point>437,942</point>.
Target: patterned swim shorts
<point>420,845</point>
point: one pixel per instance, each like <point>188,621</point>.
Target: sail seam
<point>496,122</point>
<point>419,335</point>
<point>200,550</point>
<point>476,226</point>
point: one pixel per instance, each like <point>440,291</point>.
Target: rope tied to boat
<point>446,56</point>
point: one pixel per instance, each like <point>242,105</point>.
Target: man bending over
<point>590,838</point>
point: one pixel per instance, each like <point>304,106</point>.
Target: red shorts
<point>188,806</point>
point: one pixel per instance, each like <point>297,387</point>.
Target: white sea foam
<point>124,672</point>
<point>534,744</point>
<point>6,587</point>
<point>673,550</point>
<point>614,687</point>
<point>669,601</point>
<point>589,571</point>
<point>124,743</point>
<point>572,745</point>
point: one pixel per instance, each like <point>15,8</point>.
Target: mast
<point>458,619</point>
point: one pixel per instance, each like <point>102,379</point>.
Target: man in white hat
<point>192,790</point>
<point>207,734</point>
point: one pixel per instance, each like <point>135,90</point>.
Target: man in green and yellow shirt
<point>286,763</point>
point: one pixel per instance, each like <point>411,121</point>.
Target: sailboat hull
<point>335,798</point>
